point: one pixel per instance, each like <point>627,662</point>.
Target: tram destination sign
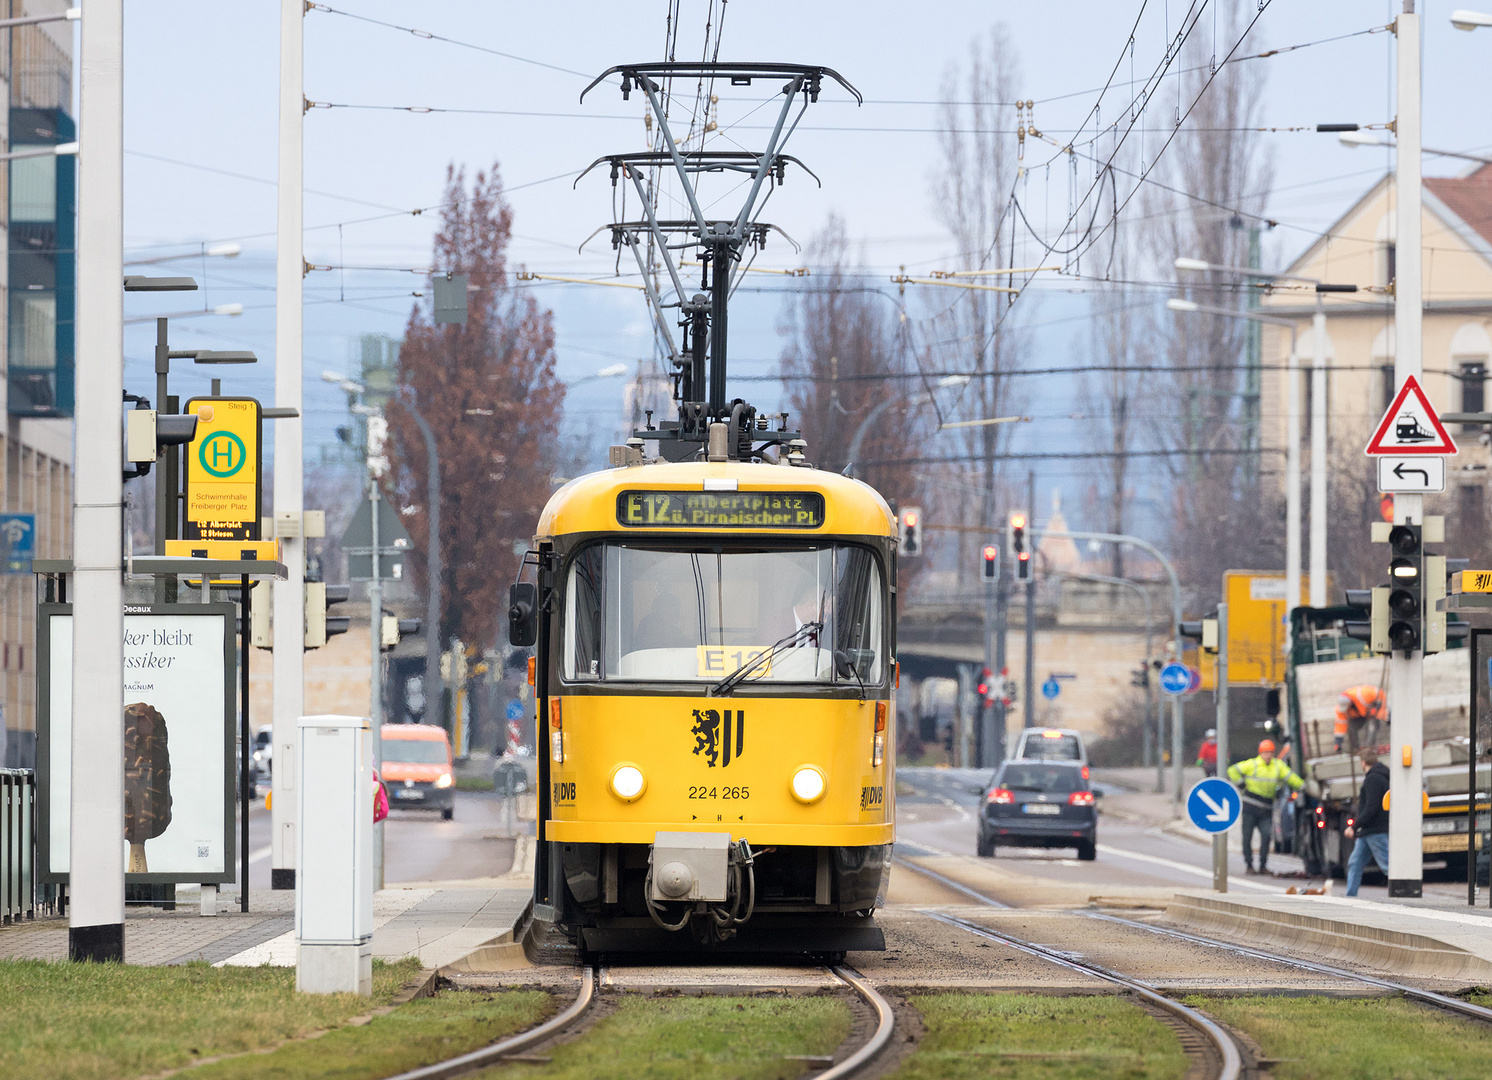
<point>720,509</point>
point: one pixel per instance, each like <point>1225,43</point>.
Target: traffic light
<point>1018,546</point>
<point>1406,608</point>
<point>320,625</point>
<point>396,629</point>
<point>991,562</point>
<point>148,432</point>
<point>986,683</point>
<point>1140,678</point>
<point>1374,629</point>
<point>1434,590</point>
<point>911,531</point>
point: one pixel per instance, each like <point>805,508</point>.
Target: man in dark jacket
<point>1370,828</point>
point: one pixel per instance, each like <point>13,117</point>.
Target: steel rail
<point>885,1026</point>
<point>489,1055</point>
<point>1444,1001</point>
<point>1232,1064</point>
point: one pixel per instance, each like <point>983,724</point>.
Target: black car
<point>1039,804</point>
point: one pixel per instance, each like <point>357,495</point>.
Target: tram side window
<point>583,615</point>
<point>857,628</point>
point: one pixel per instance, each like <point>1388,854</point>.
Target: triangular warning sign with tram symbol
<point>1411,425</point>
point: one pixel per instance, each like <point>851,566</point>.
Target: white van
<point>1051,744</point>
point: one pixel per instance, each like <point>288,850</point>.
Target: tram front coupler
<point>700,879</point>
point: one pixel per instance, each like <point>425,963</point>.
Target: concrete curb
<point>1399,952</point>
<point>421,986</point>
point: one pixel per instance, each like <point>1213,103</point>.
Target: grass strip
<point>420,1032</point>
<point>98,1021</point>
<point>1040,1037</point>
<point>1321,1038</point>
<point>697,1038</point>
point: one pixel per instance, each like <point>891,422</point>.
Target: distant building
<point>1360,248</point>
<point>39,223</point>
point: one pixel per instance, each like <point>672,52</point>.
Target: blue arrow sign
<point>1051,688</point>
<point>515,709</point>
<point>1213,805</point>
<point>1175,678</point>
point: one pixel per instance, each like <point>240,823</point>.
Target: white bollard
<point>334,856</point>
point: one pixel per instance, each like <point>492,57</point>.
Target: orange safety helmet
<point>1267,746</point>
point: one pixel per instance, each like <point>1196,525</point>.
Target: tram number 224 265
<point>704,791</point>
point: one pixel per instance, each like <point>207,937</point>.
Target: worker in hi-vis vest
<point>1259,779</point>
<point>1361,712</point>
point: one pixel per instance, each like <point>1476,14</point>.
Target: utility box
<point>334,856</point>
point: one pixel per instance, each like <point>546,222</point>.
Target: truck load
<point>1325,663</point>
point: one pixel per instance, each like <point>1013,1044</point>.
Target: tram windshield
<point>639,613</point>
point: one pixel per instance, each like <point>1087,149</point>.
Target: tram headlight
<point>809,784</point>
<point>628,783</point>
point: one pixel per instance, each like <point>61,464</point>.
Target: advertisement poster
<point>178,751</point>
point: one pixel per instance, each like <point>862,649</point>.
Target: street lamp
<point>433,567</point>
<point>1463,19</point>
<point>63,149</point>
<point>1292,435</point>
<point>165,484</point>
<point>227,250</point>
<point>1354,139</point>
<point>1318,408</point>
<point>916,399</point>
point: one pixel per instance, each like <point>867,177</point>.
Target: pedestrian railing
<point>17,845</point>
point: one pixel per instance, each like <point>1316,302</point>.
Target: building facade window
<point>1473,385</point>
<point>42,285</point>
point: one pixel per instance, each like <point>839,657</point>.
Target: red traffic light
<point>909,518</point>
<point>990,552</point>
<point>1017,521</point>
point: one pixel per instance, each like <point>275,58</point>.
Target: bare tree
<point>842,343</point>
<point>489,392</point>
<point>1217,157</point>
<point>972,198</point>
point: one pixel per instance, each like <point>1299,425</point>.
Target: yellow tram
<point>715,672</point>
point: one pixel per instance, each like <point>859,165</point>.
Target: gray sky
<point>201,84</point>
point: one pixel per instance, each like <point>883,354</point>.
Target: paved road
<point>938,817</point>
<point>418,845</point>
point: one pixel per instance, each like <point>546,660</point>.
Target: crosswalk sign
<point>1410,425</point>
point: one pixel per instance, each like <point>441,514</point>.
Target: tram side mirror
<point>523,614</point>
<point>853,663</point>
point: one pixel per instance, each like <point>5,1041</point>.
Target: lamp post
<point>434,566</point>
<point>96,801</point>
<point>1292,436</point>
<point>289,595</point>
<point>1318,407</point>
<point>1155,552</point>
<point>1104,579</point>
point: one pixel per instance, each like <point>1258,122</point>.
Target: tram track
<point>1428,997</point>
<point>1203,1040</point>
<point>588,997</point>
<point>1228,1064</point>
<point>514,1044</point>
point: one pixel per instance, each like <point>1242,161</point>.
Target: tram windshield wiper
<point>735,678</point>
